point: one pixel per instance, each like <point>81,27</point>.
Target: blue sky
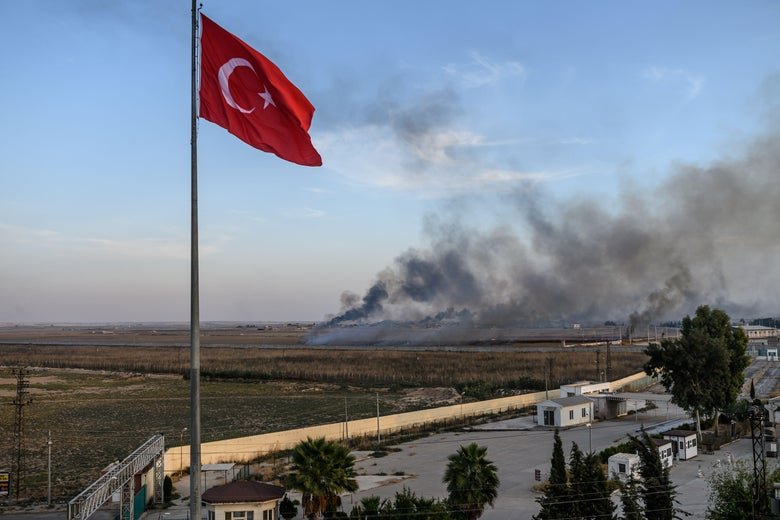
<point>424,109</point>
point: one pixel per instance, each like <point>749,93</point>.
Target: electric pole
<point>21,400</point>
<point>598,365</point>
<point>48,444</point>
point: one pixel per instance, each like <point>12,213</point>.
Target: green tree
<point>731,491</point>
<point>630,499</point>
<point>472,480</point>
<point>555,500</point>
<point>578,483</point>
<point>167,489</point>
<point>656,490</point>
<point>369,508</point>
<point>288,509</point>
<point>599,504</point>
<point>589,496</point>
<point>703,369</point>
<point>408,506</point>
<point>322,470</point>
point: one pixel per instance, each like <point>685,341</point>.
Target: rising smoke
<point>708,234</point>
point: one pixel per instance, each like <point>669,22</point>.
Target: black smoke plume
<point>707,234</point>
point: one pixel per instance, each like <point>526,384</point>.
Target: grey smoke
<point>708,234</point>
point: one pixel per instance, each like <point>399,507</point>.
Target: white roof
<point>566,401</point>
<point>624,456</point>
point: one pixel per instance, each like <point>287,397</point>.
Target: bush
<point>167,489</point>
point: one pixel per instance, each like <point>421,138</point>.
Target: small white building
<point>564,412</point>
<point>665,451</point>
<point>583,388</point>
<point>683,443</point>
<point>622,465</point>
<point>243,500</point>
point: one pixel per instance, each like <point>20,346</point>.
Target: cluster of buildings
<point>583,402</point>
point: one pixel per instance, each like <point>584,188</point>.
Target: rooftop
<point>243,491</point>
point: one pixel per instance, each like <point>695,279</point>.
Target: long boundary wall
<point>244,449</point>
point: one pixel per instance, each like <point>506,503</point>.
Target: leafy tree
<point>657,491</point>
<point>322,470</point>
<point>554,501</point>
<point>472,480</point>
<point>630,499</point>
<point>589,496</point>
<point>288,508</point>
<point>731,491</point>
<point>599,504</point>
<point>370,508</point>
<point>167,489</point>
<point>408,506</point>
<point>578,483</point>
<point>703,369</point>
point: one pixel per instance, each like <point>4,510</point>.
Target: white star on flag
<point>267,98</point>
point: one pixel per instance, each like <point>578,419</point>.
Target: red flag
<point>246,94</point>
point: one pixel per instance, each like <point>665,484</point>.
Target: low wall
<point>244,449</point>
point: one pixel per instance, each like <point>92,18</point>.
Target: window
<point>268,514</point>
<point>584,412</point>
<point>571,414</point>
<point>682,445</point>
<point>693,442</point>
<point>621,468</point>
<point>211,515</point>
<point>239,515</point>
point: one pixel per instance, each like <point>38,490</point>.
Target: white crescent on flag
<point>224,76</point>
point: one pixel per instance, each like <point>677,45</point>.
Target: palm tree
<point>370,508</point>
<point>322,470</point>
<point>472,481</point>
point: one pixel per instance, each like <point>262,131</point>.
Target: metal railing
<point>119,477</point>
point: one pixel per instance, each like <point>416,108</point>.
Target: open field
<point>101,399</point>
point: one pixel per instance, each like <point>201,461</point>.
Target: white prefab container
<point>683,443</point>
<point>583,388</point>
<point>622,465</point>
<point>564,412</point>
<point>665,451</point>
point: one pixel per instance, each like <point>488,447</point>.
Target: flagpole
<point>195,491</point>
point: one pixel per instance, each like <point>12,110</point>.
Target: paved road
<point>516,453</point>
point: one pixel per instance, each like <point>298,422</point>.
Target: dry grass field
<point>103,394</point>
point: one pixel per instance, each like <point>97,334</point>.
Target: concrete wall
<point>244,449</point>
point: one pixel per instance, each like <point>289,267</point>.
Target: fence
<point>244,449</point>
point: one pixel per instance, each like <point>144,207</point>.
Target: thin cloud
<point>172,248</point>
<point>481,71</point>
<point>693,81</point>
<point>451,164</point>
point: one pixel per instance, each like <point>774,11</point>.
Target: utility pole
<point>598,365</point>
<point>608,368</point>
<point>759,462</point>
<point>346,420</point>
<point>48,445</point>
<point>20,401</point>
<point>378,436</point>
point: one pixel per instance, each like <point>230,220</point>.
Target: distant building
<point>243,500</point>
<point>564,412</point>
<point>583,388</point>
<point>759,332</point>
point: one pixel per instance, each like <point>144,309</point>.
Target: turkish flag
<point>246,94</point>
